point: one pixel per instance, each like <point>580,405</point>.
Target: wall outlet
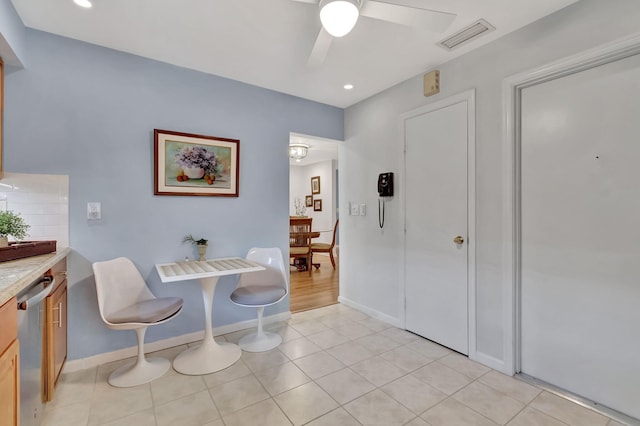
<point>363,209</point>
<point>94,211</point>
<point>354,209</point>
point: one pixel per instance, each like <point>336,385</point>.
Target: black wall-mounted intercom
<point>385,184</point>
<point>385,189</point>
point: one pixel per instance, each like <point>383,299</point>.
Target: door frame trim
<point>468,96</point>
<point>511,212</point>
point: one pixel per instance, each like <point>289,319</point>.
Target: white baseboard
<point>158,345</point>
<point>372,312</point>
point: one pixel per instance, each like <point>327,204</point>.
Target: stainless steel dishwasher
<point>30,323</point>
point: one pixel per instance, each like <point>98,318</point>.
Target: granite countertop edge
<point>15,275</point>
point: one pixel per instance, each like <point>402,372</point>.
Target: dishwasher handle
<point>49,283</point>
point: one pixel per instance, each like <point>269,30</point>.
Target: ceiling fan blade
<point>405,15</point>
<point>320,49</point>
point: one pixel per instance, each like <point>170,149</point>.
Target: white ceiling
<point>267,42</point>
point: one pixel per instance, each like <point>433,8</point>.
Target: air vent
<point>467,34</point>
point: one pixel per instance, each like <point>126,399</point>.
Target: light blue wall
<point>12,36</point>
<point>89,112</point>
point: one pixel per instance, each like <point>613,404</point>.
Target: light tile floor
<point>336,366</point>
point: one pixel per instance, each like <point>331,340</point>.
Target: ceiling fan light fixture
<point>338,17</point>
<point>297,151</point>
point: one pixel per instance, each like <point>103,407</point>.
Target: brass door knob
<point>459,239</point>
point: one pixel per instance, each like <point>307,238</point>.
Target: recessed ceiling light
<point>348,86</point>
<point>83,3</point>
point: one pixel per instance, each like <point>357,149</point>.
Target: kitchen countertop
<point>15,275</point>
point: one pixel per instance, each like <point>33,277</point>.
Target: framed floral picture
<point>187,164</point>
<point>317,205</point>
<point>315,185</point>
<point>308,199</point>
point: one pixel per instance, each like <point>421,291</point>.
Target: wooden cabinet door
<point>1,109</point>
<point>10,386</point>
<point>56,338</point>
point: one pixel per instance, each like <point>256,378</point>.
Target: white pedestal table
<point>211,356</point>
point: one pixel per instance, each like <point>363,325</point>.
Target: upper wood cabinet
<point>55,331</point>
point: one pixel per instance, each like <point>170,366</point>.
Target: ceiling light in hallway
<point>298,151</point>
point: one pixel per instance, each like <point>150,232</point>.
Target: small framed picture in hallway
<point>315,185</point>
<point>317,205</point>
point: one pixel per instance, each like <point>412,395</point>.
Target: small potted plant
<point>201,245</point>
<point>11,224</point>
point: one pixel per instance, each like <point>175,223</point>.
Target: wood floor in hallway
<point>319,289</point>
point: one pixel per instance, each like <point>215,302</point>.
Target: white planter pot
<point>202,251</point>
<point>194,172</point>
<point>4,242</point>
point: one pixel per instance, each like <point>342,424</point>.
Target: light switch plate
<point>363,209</point>
<point>355,209</point>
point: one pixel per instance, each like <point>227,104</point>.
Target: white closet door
<point>436,286</point>
<point>580,166</point>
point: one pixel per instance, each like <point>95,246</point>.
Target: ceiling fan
<point>338,18</point>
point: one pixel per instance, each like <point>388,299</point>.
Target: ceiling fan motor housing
<point>356,3</point>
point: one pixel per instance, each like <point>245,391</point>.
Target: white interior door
<point>580,241</point>
<point>436,209</point>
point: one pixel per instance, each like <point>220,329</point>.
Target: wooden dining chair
<point>300,239</point>
<point>326,248</point>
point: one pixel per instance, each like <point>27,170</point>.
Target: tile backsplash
<point>43,202</point>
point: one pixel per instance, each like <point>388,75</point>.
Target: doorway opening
<point>313,192</point>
